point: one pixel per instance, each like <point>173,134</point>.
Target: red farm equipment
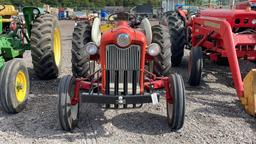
<point>122,67</point>
<point>246,4</point>
<point>176,14</point>
<point>225,35</point>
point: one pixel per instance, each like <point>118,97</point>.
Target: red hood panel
<point>225,13</point>
<point>137,37</point>
<point>231,15</point>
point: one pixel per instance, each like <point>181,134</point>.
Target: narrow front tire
<point>68,113</point>
<point>176,105</point>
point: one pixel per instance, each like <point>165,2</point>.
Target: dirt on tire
<point>42,47</point>
<point>177,31</point>
<point>162,63</point>
<point>80,59</point>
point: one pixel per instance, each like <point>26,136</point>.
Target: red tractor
<point>122,67</point>
<point>176,14</point>
<point>225,35</point>
<point>246,4</point>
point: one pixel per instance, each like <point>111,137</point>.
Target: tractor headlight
<point>254,21</point>
<point>91,48</point>
<point>154,49</point>
<point>123,40</point>
<point>36,11</point>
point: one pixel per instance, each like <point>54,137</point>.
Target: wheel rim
<point>72,109</point>
<point>170,110</point>
<point>189,65</point>
<point>21,86</point>
<point>57,46</point>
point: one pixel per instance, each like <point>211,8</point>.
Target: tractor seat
<point>9,11</point>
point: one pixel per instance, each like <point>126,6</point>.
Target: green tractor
<point>37,32</point>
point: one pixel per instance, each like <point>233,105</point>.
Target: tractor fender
<point>96,34</point>
<point>146,26</point>
<point>183,14</point>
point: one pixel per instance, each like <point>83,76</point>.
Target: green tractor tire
<point>14,86</point>
<point>46,47</point>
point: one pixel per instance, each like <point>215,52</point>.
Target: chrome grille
<point>123,58</point>
<point>120,61</point>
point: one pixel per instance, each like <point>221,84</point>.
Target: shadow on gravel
<point>40,118</point>
<point>233,109</point>
<point>214,77</point>
<point>213,73</point>
<point>142,123</point>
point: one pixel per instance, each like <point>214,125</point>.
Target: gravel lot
<point>213,114</point>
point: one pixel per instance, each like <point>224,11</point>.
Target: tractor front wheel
<point>68,113</point>
<point>195,66</point>
<point>176,104</point>
<point>14,86</point>
<point>46,47</point>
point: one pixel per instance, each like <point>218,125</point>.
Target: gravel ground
<point>213,113</point>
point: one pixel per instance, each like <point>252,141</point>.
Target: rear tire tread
<point>177,32</point>
<point>80,59</point>
<point>162,62</point>
<point>42,47</point>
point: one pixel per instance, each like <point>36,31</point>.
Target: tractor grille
<point>123,65</point>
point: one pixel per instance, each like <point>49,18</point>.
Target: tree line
<point>80,3</point>
<point>100,3</point>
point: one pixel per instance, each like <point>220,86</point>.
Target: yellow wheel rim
<point>21,86</point>
<point>57,46</point>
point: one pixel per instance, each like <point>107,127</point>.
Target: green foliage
<point>80,3</point>
<point>99,3</point>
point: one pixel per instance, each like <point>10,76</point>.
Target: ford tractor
<point>121,64</point>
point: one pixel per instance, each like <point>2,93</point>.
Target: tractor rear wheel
<point>176,106</point>
<point>162,63</point>
<point>80,59</point>
<point>68,114</point>
<point>177,31</point>
<point>195,66</point>
<point>14,86</point>
<point>46,47</point>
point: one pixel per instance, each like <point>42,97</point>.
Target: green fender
<point>30,14</point>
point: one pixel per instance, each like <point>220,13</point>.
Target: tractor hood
<point>246,4</point>
<point>136,37</point>
<point>236,18</point>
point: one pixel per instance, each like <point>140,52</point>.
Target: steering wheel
<point>2,7</point>
<point>211,5</point>
<point>121,16</point>
<point>132,19</point>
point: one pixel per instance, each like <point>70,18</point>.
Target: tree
<point>81,3</point>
